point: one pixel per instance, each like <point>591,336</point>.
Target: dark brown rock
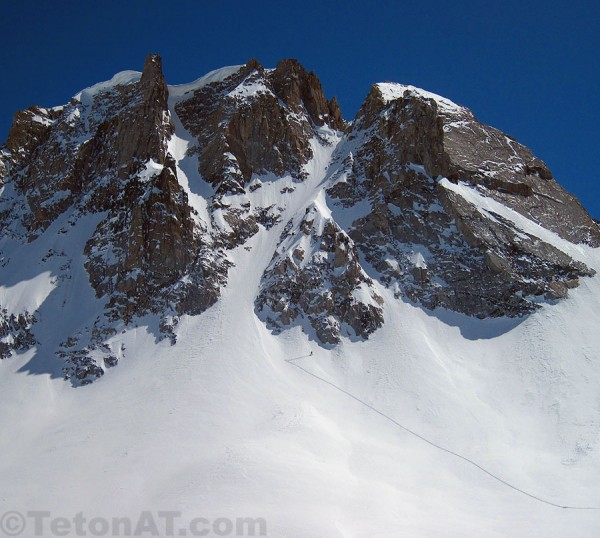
<point>29,130</point>
<point>301,91</point>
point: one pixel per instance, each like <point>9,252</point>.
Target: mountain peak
<point>176,179</point>
<point>152,69</point>
<point>153,80</point>
<point>253,64</point>
<point>296,86</point>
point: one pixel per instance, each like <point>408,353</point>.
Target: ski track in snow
<point>435,445</point>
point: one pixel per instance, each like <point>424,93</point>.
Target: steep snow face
<point>223,426</point>
<point>312,392</point>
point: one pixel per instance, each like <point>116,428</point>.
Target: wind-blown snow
<point>179,90</point>
<point>122,78</point>
<point>249,89</point>
<point>392,91</point>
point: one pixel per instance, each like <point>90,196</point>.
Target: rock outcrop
<point>15,333</point>
<point>316,275</point>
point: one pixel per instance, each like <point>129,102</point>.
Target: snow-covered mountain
<point>384,327</point>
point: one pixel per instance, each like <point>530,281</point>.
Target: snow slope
<point>235,421</point>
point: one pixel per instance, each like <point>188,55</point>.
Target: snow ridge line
<point>435,445</point>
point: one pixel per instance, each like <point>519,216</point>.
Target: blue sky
<point>530,68</point>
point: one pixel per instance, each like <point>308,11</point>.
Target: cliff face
<point>415,194</point>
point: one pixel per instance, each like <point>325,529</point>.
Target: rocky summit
<point>141,192</point>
